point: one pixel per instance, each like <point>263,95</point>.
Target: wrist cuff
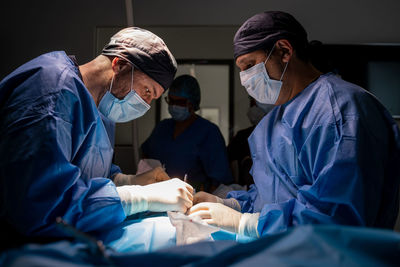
<point>121,179</point>
<point>248,224</point>
<point>133,199</point>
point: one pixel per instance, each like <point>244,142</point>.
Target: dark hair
<point>319,57</point>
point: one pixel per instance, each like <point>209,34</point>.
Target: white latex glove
<point>171,195</point>
<point>207,197</point>
<point>226,218</point>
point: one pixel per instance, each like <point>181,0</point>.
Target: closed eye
<point>248,66</point>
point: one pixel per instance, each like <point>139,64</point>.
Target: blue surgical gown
<point>328,156</point>
<point>199,151</point>
<point>55,152</point>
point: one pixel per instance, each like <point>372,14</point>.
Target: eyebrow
<point>244,60</point>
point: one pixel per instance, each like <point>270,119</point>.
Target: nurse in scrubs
<point>187,143</point>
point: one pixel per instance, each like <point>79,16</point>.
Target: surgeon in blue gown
<point>56,153</point>
<point>328,153</point>
<point>187,143</point>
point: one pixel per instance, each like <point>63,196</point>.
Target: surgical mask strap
<point>111,84</point>
<point>132,80</point>
<point>284,70</point>
<point>112,81</point>
<point>269,55</point>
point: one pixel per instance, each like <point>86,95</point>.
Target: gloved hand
<point>150,177</point>
<point>171,195</point>
<point>226,218</point>
<point>207,197</point>
<point>204,197</point>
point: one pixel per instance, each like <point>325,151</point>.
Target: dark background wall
<point>30,28</point>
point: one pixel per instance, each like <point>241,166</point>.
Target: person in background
<point>55,150</point>
<point>187,143</point>
<point>238,148</point>
<point>328,153</point>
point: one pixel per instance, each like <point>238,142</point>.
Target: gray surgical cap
<point>145,51</point>
<point>186,86</point>
<point>261,32</point>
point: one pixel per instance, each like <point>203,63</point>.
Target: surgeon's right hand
<point>171,195</point>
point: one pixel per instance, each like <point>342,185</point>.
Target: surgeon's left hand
<point>226,218</point>
<point>150,177</point>
<point>204,197</point>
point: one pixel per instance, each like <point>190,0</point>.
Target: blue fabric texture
<point>55,151</point>
<point>198,152</point>
<point>110,128</point>
<point>151,231</point>
<point>141,232</point>
<point>328,156</point>
<point>310,245</point>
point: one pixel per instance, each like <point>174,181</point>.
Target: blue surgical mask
<point>127,109</point>
<point>259,85</point>
<point>178,113</point>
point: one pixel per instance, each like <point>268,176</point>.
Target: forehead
<point>175,97</point>
<point>255,55</point>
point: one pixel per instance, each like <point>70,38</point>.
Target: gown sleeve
<point>43,134</point>
<point>110,128</point>
<point>346,179</point>
<point>246,199</point>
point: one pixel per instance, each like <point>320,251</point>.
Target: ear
<point>118,65</point>
<point>190,107</point>
<point>286,49</point>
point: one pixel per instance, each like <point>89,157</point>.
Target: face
<point>176,101</point>
<point>275,66</point>
<point>179,101</point>
<point>147,88</point>
<point>144,86</point>
<point>248,60</point>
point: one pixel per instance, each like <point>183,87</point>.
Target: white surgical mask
<point>259,85</point>
<point>265,107</point>
<point>127,109</point>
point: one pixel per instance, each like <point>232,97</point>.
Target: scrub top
<point>55,152</point>
<point>331,155</point>
<point>198,152</point>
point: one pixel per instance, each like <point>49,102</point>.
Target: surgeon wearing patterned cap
<point>56,150</point>
<point>312,160</point>
<point>187,143</point>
